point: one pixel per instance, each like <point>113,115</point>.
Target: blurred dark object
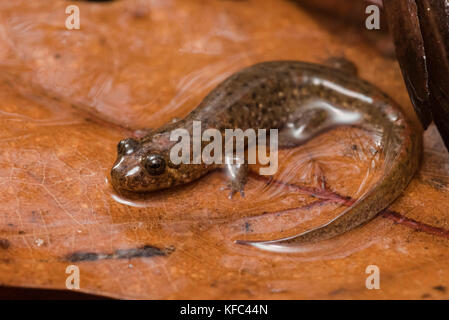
<point>404,25</point>
<point>421,34</point>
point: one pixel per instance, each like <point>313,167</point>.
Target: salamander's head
<point>144,165</point>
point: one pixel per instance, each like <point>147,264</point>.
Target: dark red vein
<point>331,196</point>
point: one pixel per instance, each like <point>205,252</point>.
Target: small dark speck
<point>247,227</point>
<point>425,296</point>
<point>4,244</point>
<point>354,147</point>
<point>145,251</point>
<point>21,232</point>
<point>82,256</point>
<point>337,291</point>
<point>141,252</point>
<point>440,288</point>
<point>57,55</point>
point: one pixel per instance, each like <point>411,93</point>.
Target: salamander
<point>301,100</point>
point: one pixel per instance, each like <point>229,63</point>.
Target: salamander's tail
<point>402,157</point>
<point>350,218</point>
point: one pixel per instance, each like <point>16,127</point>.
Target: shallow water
<point>69,97</point>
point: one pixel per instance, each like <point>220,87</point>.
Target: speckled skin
<point>272,95</point>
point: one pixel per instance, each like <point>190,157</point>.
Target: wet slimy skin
<point>301,100</point>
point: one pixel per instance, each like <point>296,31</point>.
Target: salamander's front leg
<point>238,175</point>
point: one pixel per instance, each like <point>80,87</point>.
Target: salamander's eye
<point>154,164</point>
<point>127,146</point>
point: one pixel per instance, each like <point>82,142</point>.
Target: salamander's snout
<point>127,168</point>
<point>140,168</point>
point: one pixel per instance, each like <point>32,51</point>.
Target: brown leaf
<point>68,97</point>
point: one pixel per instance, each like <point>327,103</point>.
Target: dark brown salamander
<point>301,100</point>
